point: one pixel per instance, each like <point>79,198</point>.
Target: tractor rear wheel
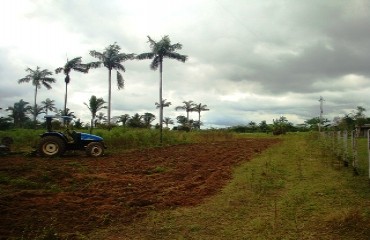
<point>95,149</point>
<point>51,146</point>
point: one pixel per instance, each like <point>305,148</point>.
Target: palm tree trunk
<point>91,126</point>
<point>160,101</point>
<point>199,119</point>
<point>34,108</point>
<point>109,96</point>
<point>65,99</point>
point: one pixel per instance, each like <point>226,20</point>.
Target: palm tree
<point>185,124</point>
<point>164,104</point>
<point>188,106</point>
<point>49,104</point>
<point>160,50</point>
<point>39,78</point>
<point>135,121</point>
<point>67,112</point>
<point>95,104</point>
<point>18,112</point>
<point>252,126</point>
<point>148,118</point>
<point>200,108</point>
<point>111,58</point>
<point>36,110</point>
<point>123,119</point>
<point>167,121</point>
<point>74,64</point>
<point>100,118</point>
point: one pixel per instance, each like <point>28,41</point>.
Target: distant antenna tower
<point>321,100</point>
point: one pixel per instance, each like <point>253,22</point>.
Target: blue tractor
<point>53,143</point>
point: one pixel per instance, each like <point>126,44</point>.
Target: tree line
<point>349,121</point>
<point>19,116</point>
<point>112,59</point>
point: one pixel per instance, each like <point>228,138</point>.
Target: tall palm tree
<point>74,64</point>
<point>111,58</point>
<point>38,78</point>
<point>188,107</point>
<point>18,112</point>
<point>160,50</point>
<point>164,103</point>
<point>95,105</point>
<point>200,108</point>
<point>49,105</point>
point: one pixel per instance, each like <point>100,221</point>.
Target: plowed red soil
<point>76,193</point>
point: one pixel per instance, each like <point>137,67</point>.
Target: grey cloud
<point>293,49</point>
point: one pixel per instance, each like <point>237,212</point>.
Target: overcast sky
<point>248,60</point>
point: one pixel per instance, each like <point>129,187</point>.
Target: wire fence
<point>349,149</point>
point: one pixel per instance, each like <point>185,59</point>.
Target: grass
<point>291,191</point>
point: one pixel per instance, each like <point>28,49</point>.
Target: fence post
<point>338,143</point>
<point>354,152</point>
<point>333,141</point>
<point>368,148</point>
<point>345,148</point>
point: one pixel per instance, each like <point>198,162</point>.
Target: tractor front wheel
<point>95,149</point>
<point>51,146</point>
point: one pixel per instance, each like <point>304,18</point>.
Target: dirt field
<point>75,193</point>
